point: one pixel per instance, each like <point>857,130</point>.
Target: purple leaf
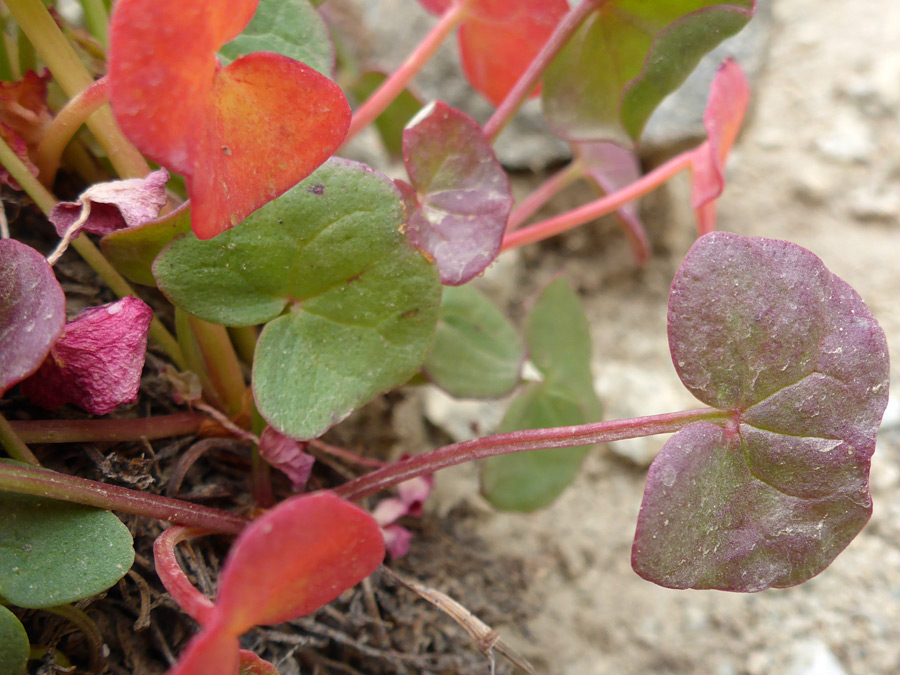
<point>97,362</point>
<point>460,197</point>
<point>612,167</point>
<point>286,455</point>
<point>112,206</point>
<point>32,311</point>
<point>760,329</point>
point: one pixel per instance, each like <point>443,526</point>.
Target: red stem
<point>46,483</point>
<point>193,602</point>
<point>600,207</point>
<point>391,87</point>
<point>108,430</point>
<point>530,78</point>
<point>544,193</point>
<point>522,441</point>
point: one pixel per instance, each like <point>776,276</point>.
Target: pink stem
<point>193,602</point>
<point>521,441</point>
<point>530,78</point>
<point>547,190</point>
<point>600,207</point>
<point>108,430</point>
<point>400,78</point>
<point>46,483</point>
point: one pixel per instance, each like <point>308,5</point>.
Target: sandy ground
<point>818,164</point>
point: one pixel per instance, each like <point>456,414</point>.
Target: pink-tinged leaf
<point>213,651</point>
<point>24,116</point>
<point>287,455</point>
<point>396,540</point>
<point>113,206</point>
<point>729,95</point>
<point>191,601</point>
<point>460,200</point>
<point>241,135</point>
<point>500,38</point>
<point>412,496</point>
<point>252,664</point>
<point>296,558</point>
<point>612,167</point>
<point>760,329</point>
<point>97,362</point>
<point>32,311</point>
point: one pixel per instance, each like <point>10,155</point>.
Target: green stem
<point>14,445</point>
<point>544,193</point>
<point>391,87</point>
<point>45,483</point>
<point>85,248</point>
<point>7,73</point>
<point>86,625</point>
<point>244,340</point>
<point>522,441</point>
<point>597,208</point>
<point>65,124</point>
<point>107,430</point>
<point>96,18</point>
<point>532,75</point>
<point>68,70</point>
<point>222,365</point>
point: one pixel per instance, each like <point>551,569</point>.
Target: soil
<point>817,164</point>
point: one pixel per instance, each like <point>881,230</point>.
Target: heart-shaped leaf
<point>361,303</point>
<point>500,38</point>
<point>13,644</point>
<point>132,251</point>
<point>477,352</point>
<point>460,203</point>
<point>729,95</point>
<point>612,167</point>
<point>292,28</point>
<point>54,552</point>
<point>241,135</point>
<point>627,57</point>
<point>32,311</point>
<point>761,329</point>
<point>558,337</point>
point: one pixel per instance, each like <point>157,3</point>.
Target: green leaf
<point>527,481</point>
<point>13,644</point>
<point>133,250</point>
<point>54,552</point>
<point>477,352</point>
<point>558,337</point>
<point>292,28</point>
<point>627,57</point>
<point>362,304</point>
<point>391,122</point>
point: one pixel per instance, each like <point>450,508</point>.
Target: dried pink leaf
<point>116,205</point>
<point>97,362</point>
<point>412,495</point>
<point>286,455</point>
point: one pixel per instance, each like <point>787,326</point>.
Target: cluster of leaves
<point>357,284</point>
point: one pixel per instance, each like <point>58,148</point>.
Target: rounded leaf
<point>13,644</point>
<point>54,552</point>
<point>32,311</point>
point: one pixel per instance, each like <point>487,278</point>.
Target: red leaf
<point>241,135</point>
<point>501,39</point>
<point>728,98</point>
<point>97,362</point>
<point>32,311</point>
<point>296,558</point>
<point>436,6</point>
<point>210,652</point>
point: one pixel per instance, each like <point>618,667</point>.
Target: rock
<point>848,141</point>
<point>875,203</point>
<point>813,657</point>
<point>463,420</point>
